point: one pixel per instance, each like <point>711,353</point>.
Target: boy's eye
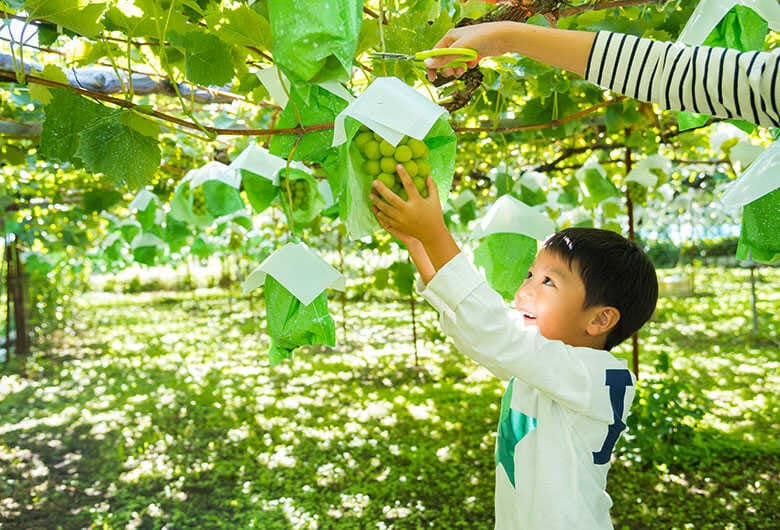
<point>548,281</point>
<point>529,275</point>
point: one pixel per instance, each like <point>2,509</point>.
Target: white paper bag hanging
<point>299,270</point>
<point>709,12</point>
<point>392,109</point>
<point>508,215</point>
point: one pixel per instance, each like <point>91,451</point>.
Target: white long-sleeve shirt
<point>563,409</point>
<point>716,81</point>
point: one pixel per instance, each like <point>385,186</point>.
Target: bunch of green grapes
<point>636,192</point>
<point>381,158</point>
<point>295,191</point>
<point>198,201</point>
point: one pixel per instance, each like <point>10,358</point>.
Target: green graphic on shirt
<point>512,427</point>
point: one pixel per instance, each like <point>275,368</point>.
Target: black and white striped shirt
<point>716,81</point>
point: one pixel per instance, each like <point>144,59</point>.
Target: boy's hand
<point>417,218</point>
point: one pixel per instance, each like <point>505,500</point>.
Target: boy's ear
<point>604,319</point>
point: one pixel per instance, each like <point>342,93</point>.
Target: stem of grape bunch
<point>290,217</point>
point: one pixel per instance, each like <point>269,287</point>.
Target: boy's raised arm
<point>418,222</point>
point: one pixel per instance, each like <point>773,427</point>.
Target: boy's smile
<point>553,298</point>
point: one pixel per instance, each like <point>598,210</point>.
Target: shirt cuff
<point>596,57</point>
<point>452,283</point>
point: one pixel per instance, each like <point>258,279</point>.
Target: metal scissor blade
<point>392,56</point>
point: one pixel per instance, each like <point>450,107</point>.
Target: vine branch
<point>596,6</point>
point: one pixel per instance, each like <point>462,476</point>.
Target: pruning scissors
<point>462,56</point>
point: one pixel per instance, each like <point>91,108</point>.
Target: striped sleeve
<point>717,81</point>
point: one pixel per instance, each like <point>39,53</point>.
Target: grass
<point>159,411</point>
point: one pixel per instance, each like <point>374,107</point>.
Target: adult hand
<point>486,39</point>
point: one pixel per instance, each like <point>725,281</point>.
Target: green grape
<point>296,192</point>
<point>386,148</point>
<point>387,179</point>
<point>371,150</point>
<point>636,192</point>
<point>387,164</point>
<point>198,201</point>
<point>418,147</point>
<point>363,138</point>
<point>411,168</point>
<point>381,159</point>
<point>403,153</point>
<point>372,167</point>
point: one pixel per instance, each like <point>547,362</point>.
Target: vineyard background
<point>110,109</point>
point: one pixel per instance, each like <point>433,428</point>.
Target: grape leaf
<point>207,59</point>
<point>241,26</point>
<point>47,34</point>
<point>67,114</point>
<point>175,233</point>
<point>80,16</point>
<point>505,259</point>
<point>598,186</point>
<point>118,151</point>
<point>146,255</point>
<point>40,93</point>
<point>201,247</point>
<point>139,123</point>
<point>322,107</point>
<point>402,276</point>
<point>147,19</point>
<point>758,237</point>
<point>100,199</point>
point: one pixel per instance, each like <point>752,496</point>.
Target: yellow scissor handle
<point>462,56</point>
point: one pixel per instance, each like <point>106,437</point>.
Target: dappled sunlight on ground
<point>161,409</point>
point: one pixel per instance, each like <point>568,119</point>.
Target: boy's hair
<point>615,271</point>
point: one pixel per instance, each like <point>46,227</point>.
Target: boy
<point>567,398</point>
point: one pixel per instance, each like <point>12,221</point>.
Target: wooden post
<point>344,291</point>
<point>7,278</point>
<point>15,296</point>
<point>414,328</point>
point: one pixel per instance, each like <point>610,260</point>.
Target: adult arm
<point>567,49</point>
<point>716,81</point>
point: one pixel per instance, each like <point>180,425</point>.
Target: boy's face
<point>552,298</point>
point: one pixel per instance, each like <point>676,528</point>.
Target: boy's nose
<point>522,293</point>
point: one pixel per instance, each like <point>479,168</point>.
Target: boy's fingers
<point>433,191</point>
<point>387,194</point>
<point>409,186</point>
<point>384,221</point>
<point>381,204</point>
